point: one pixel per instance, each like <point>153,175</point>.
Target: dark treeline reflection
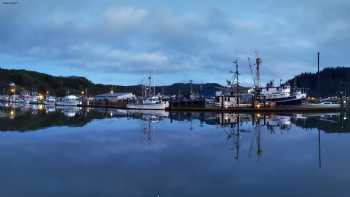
<point>31,118</point>
<point>158,153</point>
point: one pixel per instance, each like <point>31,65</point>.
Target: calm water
<point>74,152</point>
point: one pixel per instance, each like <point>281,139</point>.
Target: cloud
<point>126,38</point>
<point>121,18</point>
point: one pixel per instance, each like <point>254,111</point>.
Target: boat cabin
<point>227,101</point>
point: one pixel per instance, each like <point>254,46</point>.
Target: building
<point>228,99</point>
<point>115,97</point>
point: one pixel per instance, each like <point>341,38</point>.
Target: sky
<point>121,42</point>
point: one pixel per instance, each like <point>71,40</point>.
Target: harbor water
<point>48,151</point>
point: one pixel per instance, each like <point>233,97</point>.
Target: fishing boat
<point>50,100</point>
<point>70,100</point>
<point>231,97</point>
<point>282,95</point>
<point>151,103</point>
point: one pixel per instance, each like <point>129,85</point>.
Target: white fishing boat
<point>70,100</point>
<point>151,103</point>
<point>282,95</point>
<point>150,100</point>
<point>50,100</point>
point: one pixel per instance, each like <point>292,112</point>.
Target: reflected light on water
<point>12,114</point>
<point>128,152</point>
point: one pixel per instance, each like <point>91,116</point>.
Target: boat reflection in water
<point>328,122</point>
<point>69,111</point>
<point>129,152</point>
<point>248,129</point>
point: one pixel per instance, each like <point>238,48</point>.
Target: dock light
<point>82,92</point>
<point>12,114</point>
<point>41,97</point>
<point>345,118</point>
<point>344,102</point>
<point>258,106</point>
<point>40,107</point>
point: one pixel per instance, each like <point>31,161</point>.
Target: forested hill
<point>332,82</point>
<point>59,85</point>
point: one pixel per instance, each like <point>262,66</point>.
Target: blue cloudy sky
<point>120,42</point>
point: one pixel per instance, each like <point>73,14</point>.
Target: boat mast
<point>154,89</point>
<point>237,82</point>
<point>191,90</point>
<point>258,62</point>
<point>318,75</point>
<point>149,85</point>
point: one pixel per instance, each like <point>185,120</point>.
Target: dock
<point>300,108</point>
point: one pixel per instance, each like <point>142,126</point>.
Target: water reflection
<point>237,126</point>
<point>327,122</point>
<point>105,148</point>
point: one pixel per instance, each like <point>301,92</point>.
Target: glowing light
<point>40,107</point>
<point>40,97</point>
<point>12,114</point>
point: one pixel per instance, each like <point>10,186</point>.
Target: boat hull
<point>291,100</point>
<point>160,106</point>
<point>68,103</point>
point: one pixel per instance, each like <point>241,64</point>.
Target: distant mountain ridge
<point>332,82</point>
<point>59,85</point>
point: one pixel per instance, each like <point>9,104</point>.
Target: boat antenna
<point>149,84</point>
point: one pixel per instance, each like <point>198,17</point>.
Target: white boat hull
<point>158,106</point>
<point>323,106</point>
<point>68,103</point>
